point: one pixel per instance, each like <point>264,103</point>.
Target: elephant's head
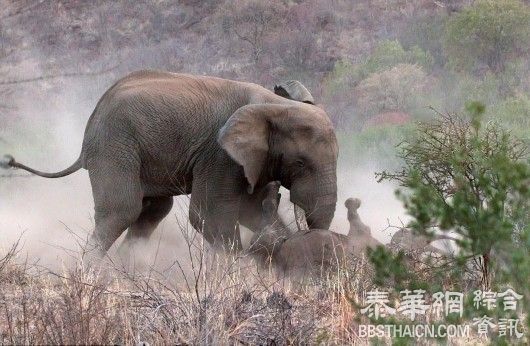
<point>293,143</point>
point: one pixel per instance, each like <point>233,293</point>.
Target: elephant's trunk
<point>321,216</point>
<point>318,199</point>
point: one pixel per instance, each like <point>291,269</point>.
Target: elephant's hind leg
<point>118,204</point>
<point>154,210</point>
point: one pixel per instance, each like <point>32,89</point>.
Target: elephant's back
<point>167,110</point>
<point>155,93</point>
<point>160,119</point>
<point>197,101</point>
<point>185,85</point>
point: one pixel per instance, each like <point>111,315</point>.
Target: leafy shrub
<point>421,57</point>
<point>514,114</point>
<point>390,53</point>
<point>337,93</point>
<point>396,89</point>
<point>473,180</point>
<point>344,74</point>
<point>490,32</point>
<point>424,32</point>
<point>385,55</point>
<point>454,88</point>
<point>339,85</point>
<point>515,78</point>
<point>374,144</point>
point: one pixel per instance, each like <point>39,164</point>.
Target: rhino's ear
<point>294,90</point>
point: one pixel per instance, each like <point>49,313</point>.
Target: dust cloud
<point>54,216</point>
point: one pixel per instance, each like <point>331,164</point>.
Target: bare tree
<point>253,22</point>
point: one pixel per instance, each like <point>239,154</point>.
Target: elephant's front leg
<point>214,210</point>
<point>217,221</point>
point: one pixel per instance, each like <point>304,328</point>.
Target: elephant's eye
<point>300,163</point>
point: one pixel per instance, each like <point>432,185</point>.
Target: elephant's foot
<point>92,253</point>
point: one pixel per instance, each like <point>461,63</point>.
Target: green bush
<point>337,93</point>
<point>513,114</point>
<point>454,88</point>
<point>376,145</point>
<point>386,54</point>
<point>339,84</point>
<point>474,180</point>
<point>344,75</point>
<point>390,53</point>
<point>387,60</point>
<point>490,32</point>
<point>424,32</point>
<point>515,77</point>
<point>395,89</point>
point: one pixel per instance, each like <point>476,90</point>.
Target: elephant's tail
<point>8,161</point>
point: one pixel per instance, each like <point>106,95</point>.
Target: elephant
<point>154,135</point>
<point>306,251</point>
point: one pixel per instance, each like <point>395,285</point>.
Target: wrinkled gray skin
<point>154,135</point>
<point>307,251</point>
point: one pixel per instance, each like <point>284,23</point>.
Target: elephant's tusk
<point>299,216</point>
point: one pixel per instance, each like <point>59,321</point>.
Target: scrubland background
<point>375,66</point>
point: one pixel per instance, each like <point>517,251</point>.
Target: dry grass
<point>206,299</point>
<point>210,299</point>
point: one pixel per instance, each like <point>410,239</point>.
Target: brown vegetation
<point>54,53</point>
<point>218,300</point>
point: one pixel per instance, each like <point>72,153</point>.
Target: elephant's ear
<point>294,90</point>
<point>245,137</point>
